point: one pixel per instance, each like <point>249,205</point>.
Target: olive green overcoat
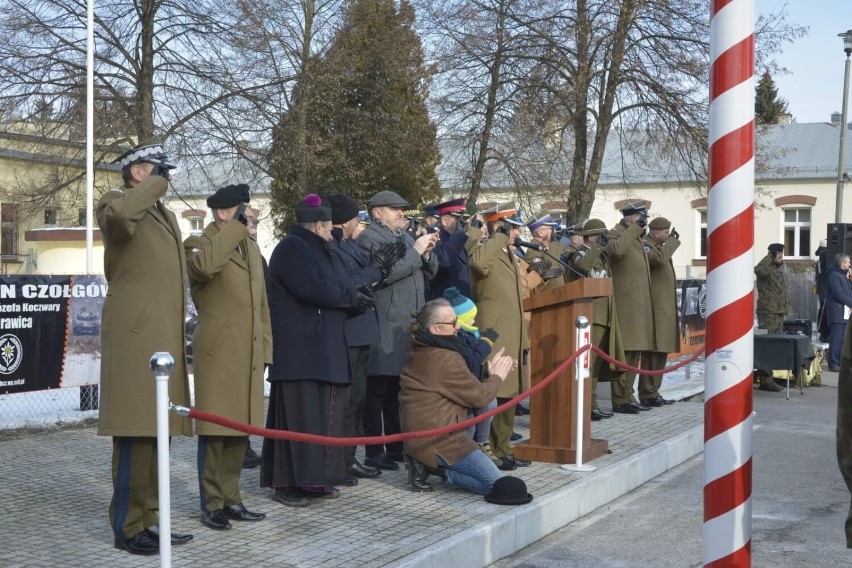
<point>144,311</point>
<point>233,338</point>
<point>664,293</point>
<point>631,282</point>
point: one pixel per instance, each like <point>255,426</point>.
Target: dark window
<point>9,226</point>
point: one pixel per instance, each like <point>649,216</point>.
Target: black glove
<point>240,215</point>
<point>384,257</point>
<point>161,170</point>
<point>461,225</point>
<point>602,240</point>
<point>565,257</point>
<point>539,265</point>
<point>475,222</point>
<point>365,298</point>
<point>490,334</point>
<point>503,228</point>
<point>555,272</point>
<point>642,222</point>
<point>674,233</point>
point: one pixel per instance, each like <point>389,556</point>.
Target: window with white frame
<point>702,234</point>
<point>196,225</point>
<point>797,232</point>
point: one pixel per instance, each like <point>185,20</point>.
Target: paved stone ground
<point>55,493</point>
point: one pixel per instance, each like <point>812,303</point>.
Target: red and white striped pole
<point>730,287</point>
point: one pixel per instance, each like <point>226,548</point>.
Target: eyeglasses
<point>453,323</point>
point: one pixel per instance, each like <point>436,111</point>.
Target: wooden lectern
<point>553,331</point>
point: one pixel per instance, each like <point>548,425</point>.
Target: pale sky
<point>814,86</point>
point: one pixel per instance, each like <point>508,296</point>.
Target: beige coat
<point>498,292</point>
<point>631,282</point>
<point>436,390</point>
<point>664,293</point>
<point>233,338</point>
<point>144,311</point>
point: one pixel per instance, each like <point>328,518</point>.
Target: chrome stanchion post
<point>162,365</point>
<point>581,372</point>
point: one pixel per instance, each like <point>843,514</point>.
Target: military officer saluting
<point>542,230</point>
<point>232,346</point>
<point>143,314</point>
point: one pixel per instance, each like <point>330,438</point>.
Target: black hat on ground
<point>149,150</point>
<point>776,247</point>
<point>509,490</point>
<point>229,196</point>
<point>312,209</point>
<point>343,208</point>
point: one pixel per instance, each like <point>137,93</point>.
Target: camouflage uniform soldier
<point>773,300</point>
<point>590,261</point>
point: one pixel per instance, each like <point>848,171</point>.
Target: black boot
<point>417,474</point>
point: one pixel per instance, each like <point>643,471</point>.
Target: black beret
<point>312,209</point>
<point>776,247</point>
<point>343,208</point>
<point>229,196</point>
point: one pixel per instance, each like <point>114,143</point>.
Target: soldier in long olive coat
<point>232,346</point>
<point>143,313</point>
<point>631,282</point>
<point>773,301</point>
<point>498,292</point>
<point>660,245</point>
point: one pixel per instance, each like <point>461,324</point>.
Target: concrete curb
<point>519,527</point>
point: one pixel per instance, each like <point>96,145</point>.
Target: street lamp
<point>847,47</point>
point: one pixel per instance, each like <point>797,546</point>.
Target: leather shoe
<point>515,437</point>
<point>834,369</point>
<point>600,415</point>
<point>141,544</point>
<point>518,462</point>
<point>655,402</point>
<point>357,469</point>
<point>417,475</point>
<point>177,538</point>
<point>347,482</point>
<point>381,461</point>
<point>333,494</point>
<point>771,386</point>
<point>666,401</point>
<point>396,457</point>
<point>596,417</point>
<point>625,409</point>
<point>239,512</point>
<point>504,464</point>
<point>215,520</point>
<point>604,413</point>
<point>291,497</point>
<point>251,459</point>
<point>642,406</point>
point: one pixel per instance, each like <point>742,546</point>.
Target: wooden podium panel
<point>553,426</point>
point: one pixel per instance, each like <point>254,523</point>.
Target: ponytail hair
<point>427,315</point>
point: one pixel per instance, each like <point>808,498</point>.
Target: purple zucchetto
<point>312,209</point>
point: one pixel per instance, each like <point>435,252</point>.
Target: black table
<point>782,352</point>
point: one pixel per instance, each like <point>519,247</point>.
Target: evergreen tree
<point>359,121</point>
<point>768,106</point>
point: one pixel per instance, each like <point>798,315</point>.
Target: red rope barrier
<point>367,440</point>
<point>603,355</point>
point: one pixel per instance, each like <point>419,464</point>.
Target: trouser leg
<point>372,418</point>
<point>649,385</point>
<point>134,472</point>
<point>359,358</point>
<point>474,472</point>
<point>233,452</point>
<point>622,387</point>
<point>501,431</point>
<point>835,343</point>
<point>390,415</point>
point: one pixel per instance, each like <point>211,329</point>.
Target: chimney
<point>784,118</point>
<point>835,117</point>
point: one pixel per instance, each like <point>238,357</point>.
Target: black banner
<point>49,331</point>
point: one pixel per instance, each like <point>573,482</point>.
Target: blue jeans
<point>474,472</point>
<point>480,432</point>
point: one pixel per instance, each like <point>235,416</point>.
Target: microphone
<point>519,243</point>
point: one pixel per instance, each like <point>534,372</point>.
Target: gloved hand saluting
<point>162,167</point>
<point>539,265</point>
<point>384,257</point>
<point>240,215</point>
<point>674,233</point>
<point>503,228</point>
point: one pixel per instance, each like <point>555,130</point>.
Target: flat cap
<point>229,196</point>
<point>388,198</point>
<point>659,224</point>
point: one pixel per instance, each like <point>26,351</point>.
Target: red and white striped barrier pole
<point>730,287</point>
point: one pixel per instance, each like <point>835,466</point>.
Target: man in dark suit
<point>353,268</point>
<point>143,314</point>
<point>838,302</point>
